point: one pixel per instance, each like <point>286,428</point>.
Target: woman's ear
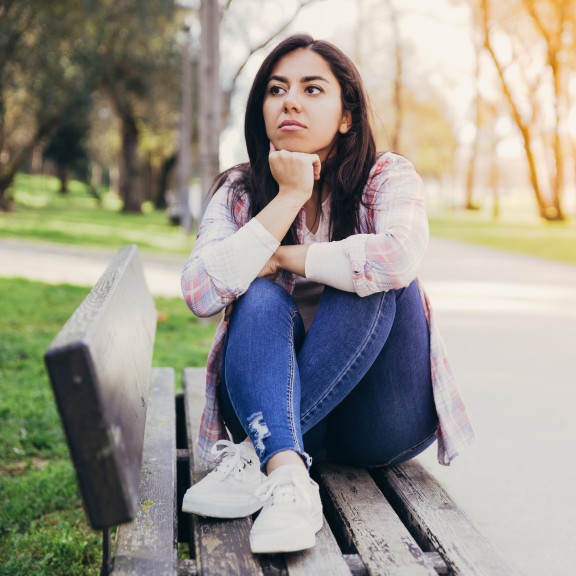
<point>346,123</point>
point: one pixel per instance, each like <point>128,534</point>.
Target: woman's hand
<point>289,258</point>
<point>271,268</point>
<point>295,172</point>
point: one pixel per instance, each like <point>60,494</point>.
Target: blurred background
<point>115,116</point>
<point>145,100</point>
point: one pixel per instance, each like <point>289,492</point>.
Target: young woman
<point>328,350</point>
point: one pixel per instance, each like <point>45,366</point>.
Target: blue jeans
<point>355,389</point>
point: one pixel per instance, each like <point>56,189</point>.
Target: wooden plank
<point>439,522</point>
<point>221,546</point>
<point>147,546</point>
<point>381,539</point>
<point>325,559</point>
<point>99,367</point>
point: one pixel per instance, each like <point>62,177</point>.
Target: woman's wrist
<point>294,196</point>
<point>292,258</point>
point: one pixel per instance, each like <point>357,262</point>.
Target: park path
<point>509,323</point>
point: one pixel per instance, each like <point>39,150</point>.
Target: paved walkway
<point>510,326</point>
<point>57,263</point>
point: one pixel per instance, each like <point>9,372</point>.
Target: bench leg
<point>105,569</point>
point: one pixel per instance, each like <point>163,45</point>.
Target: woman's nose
<point>292,101</point>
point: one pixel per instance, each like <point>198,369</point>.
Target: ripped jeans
<point>355,389</point>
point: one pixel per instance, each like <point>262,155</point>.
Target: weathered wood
<point>99,367</point>
<point>438,522</point>
<point>355,565</point>
<point>325,559</point>
<point>221,546</point>
<point>382,541</point>
<point>187,568</point>
<point>148,545</point>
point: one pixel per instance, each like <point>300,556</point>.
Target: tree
<point>412,117</point>
<point>67,150</point>
<point>212,101</point>
<point>43,76</point>
<point>137,68</point>
<point>536,35</point>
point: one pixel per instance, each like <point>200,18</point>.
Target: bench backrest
<point>99,366</point>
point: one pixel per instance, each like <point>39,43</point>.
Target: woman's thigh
<point>390,415</point>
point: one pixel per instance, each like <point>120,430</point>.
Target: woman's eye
<point>275,90</point>
<point>313,89</point>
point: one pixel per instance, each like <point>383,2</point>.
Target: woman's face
<point>303,105</point>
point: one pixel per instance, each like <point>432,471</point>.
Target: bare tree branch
<point>225,9</point>
<point>275,33</point>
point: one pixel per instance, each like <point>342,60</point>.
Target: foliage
<point>44,76</point>
<point>43,530</point>
<point>54,56</point>
<point>530,46</point>
<point>137,69</point>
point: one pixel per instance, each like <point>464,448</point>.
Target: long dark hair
<point>346,172</point>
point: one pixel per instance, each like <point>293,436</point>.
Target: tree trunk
<point>164,175</point>
<point>8,171</point>
<point>130,191</point>
<point>63,175</point>
<point>558,179</point>
<point>209,101</point>
<point>544,210</point>
<point>397,98</point>
<point>6,203</point>
<point>469,203</point>
<point>554,54</point>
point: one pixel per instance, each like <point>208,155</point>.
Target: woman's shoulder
<point>387,161</point>
<point>391,174</point>
<point>229,186</point>
<point>231,179</point>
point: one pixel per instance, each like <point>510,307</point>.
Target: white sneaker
<point>291,515</point>
<point>229,491</point>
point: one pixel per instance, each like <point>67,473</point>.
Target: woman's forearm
<point>278,215</point>
<point>292,258</point>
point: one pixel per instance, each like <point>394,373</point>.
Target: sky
<point>437,31</point>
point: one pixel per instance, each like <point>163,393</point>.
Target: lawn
<point>42,213</point>
<point>43,530</point>
<point>77,219</point>
<point>554,241</point>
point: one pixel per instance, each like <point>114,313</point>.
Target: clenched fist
<point>295,172</point>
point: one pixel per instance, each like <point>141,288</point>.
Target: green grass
<point>43,530</point>
<point>554,241</point>
<point>45,215</point>
<point>42,213</point>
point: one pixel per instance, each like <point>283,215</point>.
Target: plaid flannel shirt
<point>385,254</point>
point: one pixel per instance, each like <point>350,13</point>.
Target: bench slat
<point>383,542</point>
<point>222,546</point>
<point>99,367</point>
<point>440,523</point>
<point>325,559</point>
<point>147,546</point>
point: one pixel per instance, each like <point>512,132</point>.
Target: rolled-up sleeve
<point>226,256</point>
<point>390,258</point>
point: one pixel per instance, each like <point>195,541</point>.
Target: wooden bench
<point>131,440</point>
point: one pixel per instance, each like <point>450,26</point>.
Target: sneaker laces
<point>232,457</point>
<point>285,489</point>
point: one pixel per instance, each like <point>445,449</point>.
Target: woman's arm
<point>390,257</point>
<point>226,258</point>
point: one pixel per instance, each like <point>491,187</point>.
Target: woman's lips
<point>290,125</point>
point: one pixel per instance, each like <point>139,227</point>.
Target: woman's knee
<point>263,297</point>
